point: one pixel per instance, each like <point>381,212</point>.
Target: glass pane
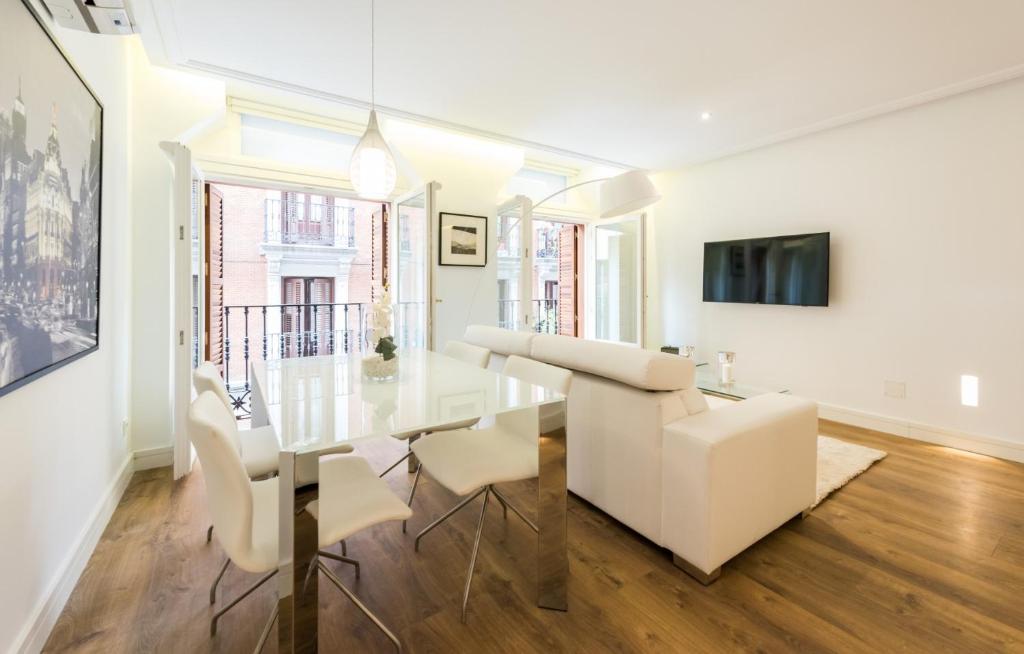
<point>546,260</point>
<point>510,266</point>
<point>617,281</point>
<point>410,293</point>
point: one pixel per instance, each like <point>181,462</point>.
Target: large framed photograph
<point>51,135</point>
<point>463,240</point>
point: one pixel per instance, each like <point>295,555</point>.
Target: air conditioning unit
<point>96,16</point>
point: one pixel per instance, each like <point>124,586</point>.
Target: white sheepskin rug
<point>839,462</point>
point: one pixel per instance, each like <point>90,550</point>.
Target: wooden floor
<point>923,553</point>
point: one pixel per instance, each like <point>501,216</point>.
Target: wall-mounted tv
<point>776,270</point>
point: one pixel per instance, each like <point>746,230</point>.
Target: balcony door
<point>411,272</point>
<point>515,293</point>
<point>617,280</point>
<point>538,270</point>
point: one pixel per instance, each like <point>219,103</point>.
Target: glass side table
<point>709,383</point>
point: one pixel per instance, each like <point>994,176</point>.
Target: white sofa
<point>644,447</point>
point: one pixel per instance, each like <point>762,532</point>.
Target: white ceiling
<point>624,81</point>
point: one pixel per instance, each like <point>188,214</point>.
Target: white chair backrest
<point>228,493</point>
<point>540,374</point>
<point>474,355</point>
<point>207,378</point>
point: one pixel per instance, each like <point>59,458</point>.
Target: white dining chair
<point>473,355</point>
<point>246,512</point>
<point>259,446</point>
<point>470,462</point>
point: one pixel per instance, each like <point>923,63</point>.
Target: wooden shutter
<point>322,294</point>
<point>214,225</point>
<point>292,289</point>
<point>379,252</point>
<point>568,240</point>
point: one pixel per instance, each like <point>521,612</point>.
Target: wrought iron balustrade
<point>301,223</point>
<point>265,332</point>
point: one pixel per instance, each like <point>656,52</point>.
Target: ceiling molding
<point>221,71</point>
<point>309,119</point>
<point>908,102</point>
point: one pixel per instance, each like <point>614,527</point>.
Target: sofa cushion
<point>505,342</point>
<point>652,371</point>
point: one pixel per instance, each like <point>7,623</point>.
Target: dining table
<point>324,405</point>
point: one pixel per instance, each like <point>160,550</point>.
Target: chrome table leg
<point>552,500</point>
<point>298,548</point>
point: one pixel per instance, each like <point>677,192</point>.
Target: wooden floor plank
<point>922,553</point>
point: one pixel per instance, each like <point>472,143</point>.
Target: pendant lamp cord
<point>372,55</point>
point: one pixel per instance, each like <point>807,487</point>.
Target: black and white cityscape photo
<point>50,156</point>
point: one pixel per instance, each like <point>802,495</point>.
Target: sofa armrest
<point>732,475</point>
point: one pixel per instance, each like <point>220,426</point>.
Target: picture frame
<point>50,219</point>
<point>462,240</point>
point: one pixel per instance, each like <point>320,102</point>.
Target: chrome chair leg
<point>447,515</point>
<point>213,588</point>
<point>209,534</point>
<point>395,464</point>
<point>266,630</point>
<point>218,614</point>
<point>313,565</point>
<point>501,501</point>
<point>412,491</point>
<point>342,558</point>
<point>359,605</point>
<point>512,506</point>
<point>476,548</point>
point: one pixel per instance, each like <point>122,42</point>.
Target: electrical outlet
<point>124,429</point>
<point>896,390</point>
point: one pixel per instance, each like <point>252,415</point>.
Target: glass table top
<point>315,403</point>
<point>708,381</point>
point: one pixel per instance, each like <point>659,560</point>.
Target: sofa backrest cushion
<point>503,342</point>
<point>651,371</point>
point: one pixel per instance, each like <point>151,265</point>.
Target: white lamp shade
<point>628,192</point>
<point>372,168</point>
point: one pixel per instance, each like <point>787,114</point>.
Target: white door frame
<point>590,278</point>
<point>180,159</point>
<point>524,205</point>
<point>428,191</point>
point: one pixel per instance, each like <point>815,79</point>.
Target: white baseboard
<point>33,636</point>
<point>921,432</point>
<point>155,457</point>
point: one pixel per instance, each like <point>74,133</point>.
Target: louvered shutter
<point>291,321</point>
<point>321,295</point>
<point>215,277</point>
<point>567,280</point>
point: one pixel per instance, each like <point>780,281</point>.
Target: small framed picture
<point>463,240</point>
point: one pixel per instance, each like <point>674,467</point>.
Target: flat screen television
<point>776,270</point>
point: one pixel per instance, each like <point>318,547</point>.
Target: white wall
<point>471,172</point>
<point>165,105</point>
<point>65,456</point>
<point>926,211</point>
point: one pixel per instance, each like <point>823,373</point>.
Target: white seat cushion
<point>466,459</point>
<point>353,498</point>
<point>260,450</point>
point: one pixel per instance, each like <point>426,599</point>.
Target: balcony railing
<point>545,315</point>
<point>299,223</point>
<point>265,332</point>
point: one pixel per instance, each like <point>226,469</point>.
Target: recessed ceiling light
<point>705,116</point>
